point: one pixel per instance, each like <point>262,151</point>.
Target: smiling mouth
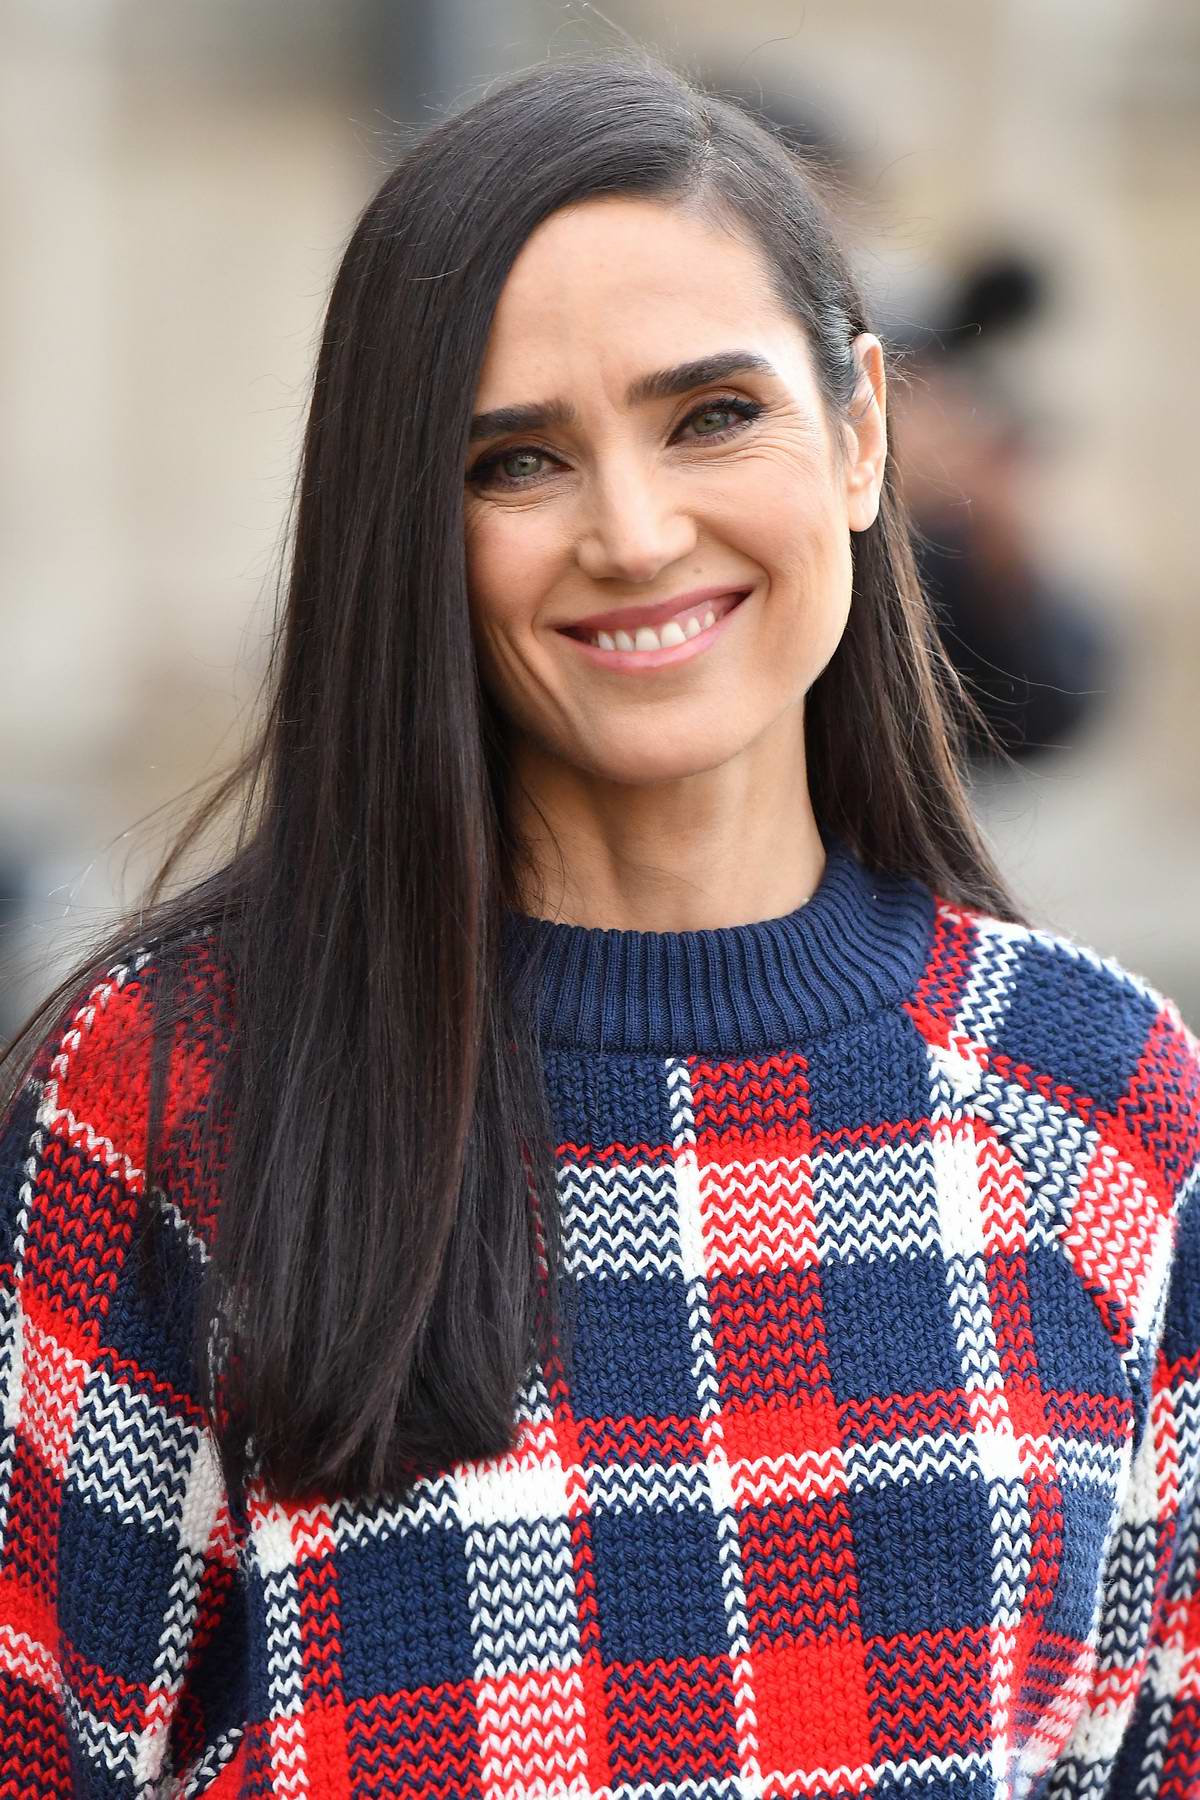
<point>688,623</point>
<point>661,647</point>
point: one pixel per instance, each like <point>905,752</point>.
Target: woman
<point>599,1253</point>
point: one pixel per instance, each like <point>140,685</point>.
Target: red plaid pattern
<point>875,1470</point>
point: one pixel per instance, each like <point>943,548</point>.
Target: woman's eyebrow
<point>661,384</point>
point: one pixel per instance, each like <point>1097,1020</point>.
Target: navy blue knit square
<point>888,1327</point>
<point>658,1583</point>
<point>1074,1023</point>
<point>922,1555</point>
<point>633,1349</point>
<point>598,1100</point>
<point>1181,1326</point>
<point>114,1586</point>
<point>1086,1515</point>
<point>406,1618</point>
<point>1076,1355</point>
<point>218,1677</point>
<point>875,1072</point>
<point>144,1330</point>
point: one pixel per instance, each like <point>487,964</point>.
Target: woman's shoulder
<point>1084,1079</point>
<point>140,1042</point>
<point>1050,1011</point>
<point>110,1480</point>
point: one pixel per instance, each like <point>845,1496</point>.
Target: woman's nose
<point>632,527</point>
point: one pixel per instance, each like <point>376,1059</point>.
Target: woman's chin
<point>658,764</point>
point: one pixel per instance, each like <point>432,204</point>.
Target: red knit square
<point>811,1694</point>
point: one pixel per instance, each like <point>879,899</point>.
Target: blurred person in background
<point>1031,648</point>
<point>479,1260</point>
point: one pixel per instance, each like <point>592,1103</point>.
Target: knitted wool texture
<point>874,1471</point>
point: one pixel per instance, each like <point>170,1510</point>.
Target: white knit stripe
<point>1053,1144</point>
<point>530,1696</point>
<point>199,1779</point>
<point>430,1507</point>
<point>274,1551</point>
<point>203,1494</point>
<point>12,1339</point>
<point>289,1754</point>
<point>964,1163</point>
<point>162,1694</point>
<point>99,1149</point>
<point>1172,1672</point>
<point>614,1220</point>
<point>29,1658</point>
<point>105,1745</point>
<point>990,985</point>
<point>131,1456</point>
<point>533,1726</point>
<point>750,1780</point>
<point>921,1456</point>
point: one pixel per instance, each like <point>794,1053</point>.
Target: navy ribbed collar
<point>856,944</point>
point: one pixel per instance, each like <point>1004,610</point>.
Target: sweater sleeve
<point>1138,1735</point>
<point>119,1565</point>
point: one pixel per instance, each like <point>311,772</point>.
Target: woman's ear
<point>866,435</point>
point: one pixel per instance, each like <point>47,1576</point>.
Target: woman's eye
<point>743,412</point>
<point>493,471</point>
<point>509,457</point>
<point>717,407</point>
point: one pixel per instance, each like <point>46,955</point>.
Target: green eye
<point>488,472</point>
<point>709,410</point>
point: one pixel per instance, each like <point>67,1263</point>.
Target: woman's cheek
<point>502,562</point>
<point>499,605</point>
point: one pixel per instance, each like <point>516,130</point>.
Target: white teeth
<point>646,638</point>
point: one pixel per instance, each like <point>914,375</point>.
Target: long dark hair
<point>387,1247</point>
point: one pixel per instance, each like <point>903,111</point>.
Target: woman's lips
<point>681,608</point>
<point>632,660</point>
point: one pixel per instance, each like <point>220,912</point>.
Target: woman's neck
<point>725,846</point>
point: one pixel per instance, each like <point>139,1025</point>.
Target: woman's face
<point>707,484</point>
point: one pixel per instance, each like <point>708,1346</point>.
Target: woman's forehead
<point>614,247</point>
<point>641,289</point>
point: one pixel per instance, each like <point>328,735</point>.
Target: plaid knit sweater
<point>873,1471</point>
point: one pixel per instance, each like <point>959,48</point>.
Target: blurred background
<point>1017,181</point>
